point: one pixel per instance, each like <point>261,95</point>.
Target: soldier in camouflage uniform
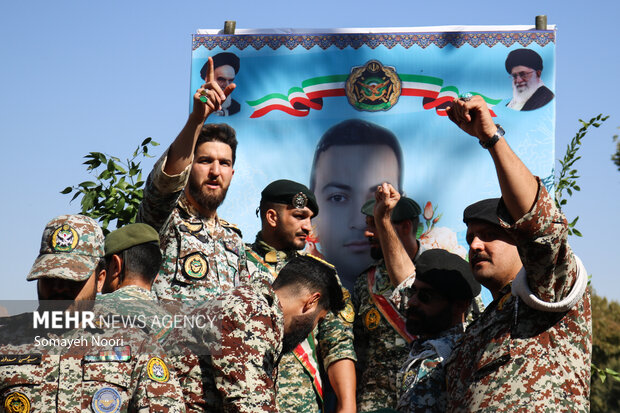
<point>38,374</point>
<point>286,208</point>
<point>202,254</point>
<point>531,349</point>
<point>258,324</point>
<point>381,339</point>
<point>438,301</point>
<point>133,259</point>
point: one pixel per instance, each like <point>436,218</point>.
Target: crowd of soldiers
<point>284,335</point>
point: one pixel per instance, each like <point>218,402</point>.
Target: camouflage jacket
<point>517,358</point>
<point>380,349</point>
<point>140,304</point>
<point>201,257</point>
<point>232,366</point>
<point>333,337</point>
<point>422,379</point>
<point>106,371</point>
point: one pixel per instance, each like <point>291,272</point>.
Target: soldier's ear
<point>100,279</point>
<point>312,302</point>
<point>271,217</point>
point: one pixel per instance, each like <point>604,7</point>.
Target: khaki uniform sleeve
<point>161,194</point>
<point>335,335</point>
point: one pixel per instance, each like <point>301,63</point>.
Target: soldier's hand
<point>386,197</point>
<point>210,96</point>
<point>473,116</point>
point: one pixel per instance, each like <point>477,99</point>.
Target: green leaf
<point>146,141</point>
<point>66,190</point>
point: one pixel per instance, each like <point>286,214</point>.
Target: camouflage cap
<point>129,236</point>
<point>406,208</point>
<point>284,191</point>
<point>71,247</point>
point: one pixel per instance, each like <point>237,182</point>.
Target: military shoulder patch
<point>195,266</point>
<point>348,313</point>
<point>228,225</point>
<point>157,370</point>
<point>16,402</point>
<point>106,400</point>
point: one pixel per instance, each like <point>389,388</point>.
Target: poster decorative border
<point>355,41</point>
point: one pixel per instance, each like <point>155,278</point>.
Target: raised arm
<point>399,265</point>
<point>207,99</point>
<point>518,185</point>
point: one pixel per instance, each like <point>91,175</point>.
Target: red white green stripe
<point>305,352</point>
<point>299,100</point>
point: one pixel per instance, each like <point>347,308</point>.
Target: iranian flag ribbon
<point>300,100</point>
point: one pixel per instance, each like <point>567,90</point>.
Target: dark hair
<point>357,132</point>
<point>141,260</point>
<point>314,275</point>
<point>220,132</point>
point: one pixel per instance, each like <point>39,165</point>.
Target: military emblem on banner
<point>373,87</point>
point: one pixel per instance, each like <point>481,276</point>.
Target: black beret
<point>221,59</point>
<point>129,236</point>
<point>284,191</point>
<point>524,57</point>
<point>447,273</point>
<point>485,210</point>
<point>405,209</point>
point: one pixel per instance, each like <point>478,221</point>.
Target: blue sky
<point>80,76</point>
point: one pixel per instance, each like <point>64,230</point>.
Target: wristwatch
<point>489,143</point>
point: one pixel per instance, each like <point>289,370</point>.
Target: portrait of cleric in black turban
<point>225,69</point>
<point>528,90</point>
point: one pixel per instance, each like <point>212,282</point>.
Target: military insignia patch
<point>64,239</point>
<point>107,400</point>
<point>195,266</point>
<point>7,359</point>
<point>157,370</point>
<point>191,227</point>
<point>300,200</point>
<point>372,319</point>
<point>348,313</point>
<point>118,353</point>
<point>16,403</point>
<point>373,87</point>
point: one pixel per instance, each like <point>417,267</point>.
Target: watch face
<point>500,130</point>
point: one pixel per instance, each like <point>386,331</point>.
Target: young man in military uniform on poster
<point>381,338</point>
<point>531,348</point>
<point>286,208</point>
<point>43,368</point>
<point>203,254</point>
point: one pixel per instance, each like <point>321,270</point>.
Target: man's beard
<point>290,241</point>
<point>428,326</point>
<point>521,95</point>
<point>207,201</point>
<point>301,327</point>
<point>376,253</point>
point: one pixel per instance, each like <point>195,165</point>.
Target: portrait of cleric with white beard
<point>525,67</point>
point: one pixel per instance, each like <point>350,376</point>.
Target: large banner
<point>344,111</point>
